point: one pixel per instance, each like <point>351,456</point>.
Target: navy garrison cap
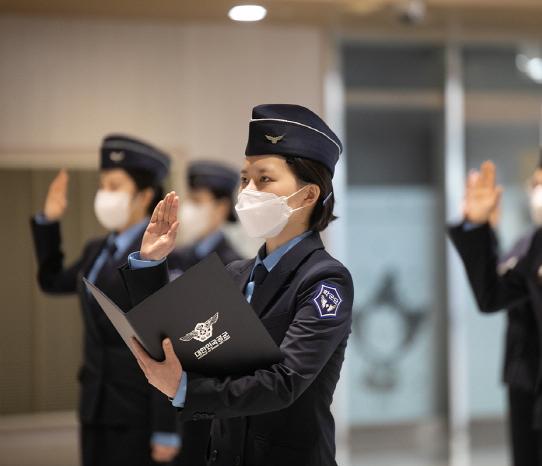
<point>292,131</point>
<point>212,175</point>
<point>121,151</point>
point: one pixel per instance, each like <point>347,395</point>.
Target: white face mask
<point>112,208</point>
<point>535,204</point>
<point>263,215</point>
<point>195,220</point>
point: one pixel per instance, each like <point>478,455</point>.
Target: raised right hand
<point>482,197</point>
<point>57,199</point>
<point>159,238</point>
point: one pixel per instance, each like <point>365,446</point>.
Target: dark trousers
<point>103,445</point>
<point>525,440</point>
<point>195,438</point>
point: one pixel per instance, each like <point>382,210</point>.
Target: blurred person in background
<point>124,421</point>
<point>514,284</point>
<point>207,207</point>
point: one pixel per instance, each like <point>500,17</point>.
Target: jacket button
<point>214,455</point>
<point>237,461</point>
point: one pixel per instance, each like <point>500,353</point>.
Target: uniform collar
<point>283,270</point>
<point>271,260</point>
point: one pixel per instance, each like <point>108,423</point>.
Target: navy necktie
<point>259,274</point>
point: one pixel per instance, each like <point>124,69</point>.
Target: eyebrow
<point>244,171</point>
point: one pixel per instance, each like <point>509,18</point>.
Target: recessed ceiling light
<point>247,13</point>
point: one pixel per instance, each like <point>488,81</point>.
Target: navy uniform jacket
<point>278,415</point>
<point>520,286</point>
<point>522,353</point>
<point>113,389</point>
<point>186,257</point>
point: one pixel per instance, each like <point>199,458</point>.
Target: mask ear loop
<point>328,197</point>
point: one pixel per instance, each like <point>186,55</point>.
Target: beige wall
<point>64,83</point>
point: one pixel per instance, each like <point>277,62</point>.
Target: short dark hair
<point>312,172</point>
<point>143,180</point>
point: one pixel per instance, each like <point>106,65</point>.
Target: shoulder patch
<point>327,301</point>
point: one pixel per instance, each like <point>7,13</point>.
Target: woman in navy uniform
<point>208,206</point>
<point>278,415</point>
<point>124,421</point>
<point>521,367</point>
<point>514,284</point>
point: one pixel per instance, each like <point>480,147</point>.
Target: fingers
<point>472,179</point>
<point>167,346</point>
<point>163,453</point>
<point>167,207</point>
<point>142,367</point>
<point>488,174</point>
<point>498,194</point>
<point>154,217</point>
<point>141,355</point>
<point>173,208</point>
<point>63,175</point>
<point>160,215</point>
<point>172,232</point>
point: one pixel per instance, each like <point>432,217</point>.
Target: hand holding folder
<point>212,328</point>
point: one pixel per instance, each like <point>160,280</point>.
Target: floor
<point>51,440</point>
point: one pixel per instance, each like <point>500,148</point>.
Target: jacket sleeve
<point>163,414</point>
<point>307,347</point>
<point>52,276</point>
<point>477,248</point>
<point>141,283</point>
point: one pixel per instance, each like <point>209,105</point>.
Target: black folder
<point>213,329</point>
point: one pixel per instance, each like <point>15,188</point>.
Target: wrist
<point>175,388</point>
<point>475,219</point>
<point>149,257</point>
<point>51,218</point>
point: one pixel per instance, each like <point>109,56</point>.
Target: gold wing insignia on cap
<point>274,139</point>
<point>116,156</point>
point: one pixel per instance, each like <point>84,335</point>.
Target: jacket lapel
<point>287,266</point>
<point>242,275</point>
<point>92,256</point>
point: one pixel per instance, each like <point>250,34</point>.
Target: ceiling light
<point>529,61</point>
<point>247,13</point>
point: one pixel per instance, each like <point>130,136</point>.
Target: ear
<point>312,193</point>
